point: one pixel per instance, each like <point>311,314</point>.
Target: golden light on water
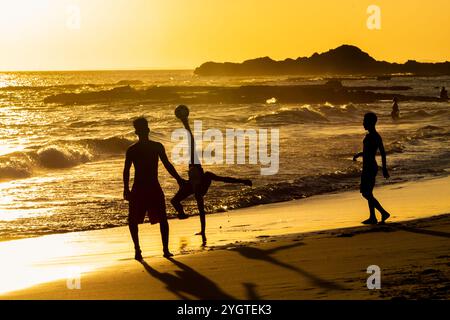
<point>5,149</point>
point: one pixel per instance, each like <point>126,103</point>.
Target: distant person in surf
<point>146,197</point>
<point>372,143</point>
<point>395,114</point>
<point>444,94</point>
<point>199,181</point>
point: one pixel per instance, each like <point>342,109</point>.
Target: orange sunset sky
<point>182,34</point>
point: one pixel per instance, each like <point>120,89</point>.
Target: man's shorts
<point>147,201</point>
<point>368,177</point>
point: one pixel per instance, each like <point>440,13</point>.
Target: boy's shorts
<point>147,201</point>
<point>368,178</point>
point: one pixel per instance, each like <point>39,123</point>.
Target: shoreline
<point>173,217</point>
<point>288,268</point>
<point>32,273</point>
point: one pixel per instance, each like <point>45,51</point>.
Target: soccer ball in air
<point>182,112</point>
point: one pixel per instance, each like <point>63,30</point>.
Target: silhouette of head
<point>395,99</point>
<point>370,120</point>
<point>141,127</point>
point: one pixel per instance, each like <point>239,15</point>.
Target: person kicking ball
<point>199,180</point>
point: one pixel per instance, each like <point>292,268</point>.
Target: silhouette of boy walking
<point>146,196</point>
<point>372,143</point>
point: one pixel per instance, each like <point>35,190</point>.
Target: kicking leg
<point>215,177</point>
<point>184,192</point>
<point>134,231</point>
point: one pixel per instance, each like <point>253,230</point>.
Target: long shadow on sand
<point>420,231</point>
<point>250,288</point>
<point>265,255</point>
<point>188,281</point>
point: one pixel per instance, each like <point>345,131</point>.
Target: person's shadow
<point>265,255</point>
<point>188,281</point>
<point>435,233</point>
<point>250,288</point>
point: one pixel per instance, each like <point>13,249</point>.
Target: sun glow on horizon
<point>181,34</point>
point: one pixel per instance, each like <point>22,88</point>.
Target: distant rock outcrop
<point>344,60</point>
<point>333,91</point>
<point>130,83</point>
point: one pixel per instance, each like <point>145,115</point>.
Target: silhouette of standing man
<point>146,196</point>
<point>372,143</point>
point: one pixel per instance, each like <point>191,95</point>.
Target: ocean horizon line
<point>93,70</point>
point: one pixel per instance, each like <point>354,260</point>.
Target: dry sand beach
<point>306,249</point>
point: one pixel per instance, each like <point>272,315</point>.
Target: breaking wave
<point>64,154</point>
<point>328,114</point>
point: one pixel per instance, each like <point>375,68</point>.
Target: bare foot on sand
<point>138,255</point>
<point>203,238</point>
<point>384,217</point>
<point>370,221</point>
<point>167,254</point>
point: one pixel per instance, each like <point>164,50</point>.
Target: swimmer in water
<point>395,114</point>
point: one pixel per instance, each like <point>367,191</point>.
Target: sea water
<point>61,165</point>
